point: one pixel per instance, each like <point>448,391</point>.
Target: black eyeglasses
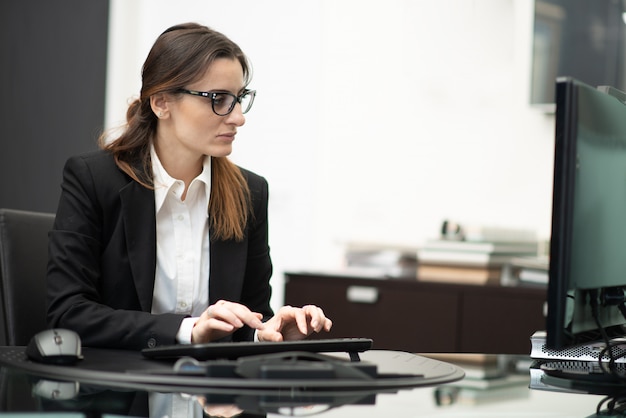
<point>223,103</point>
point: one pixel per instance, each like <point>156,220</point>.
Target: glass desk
<point>27,392</point>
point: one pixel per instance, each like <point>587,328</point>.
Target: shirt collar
<point>164,183</point>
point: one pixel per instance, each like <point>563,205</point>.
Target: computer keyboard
<point>233,350</point>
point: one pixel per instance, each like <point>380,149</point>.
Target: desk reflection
<point>23,392</point>
<point>177,405</point>
<point>55,396</point>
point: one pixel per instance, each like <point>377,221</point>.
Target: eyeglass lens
<point>223,103</point>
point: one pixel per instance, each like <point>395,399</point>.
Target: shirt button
<point>182,305</point>
<point>181,217</point>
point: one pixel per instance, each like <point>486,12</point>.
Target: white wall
<point>374,120</point>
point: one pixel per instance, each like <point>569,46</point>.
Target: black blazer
<point>102,259</point>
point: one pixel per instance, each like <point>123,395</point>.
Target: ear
<point>159,105</point>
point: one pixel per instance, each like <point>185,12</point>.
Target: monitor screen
<point>588,243</point>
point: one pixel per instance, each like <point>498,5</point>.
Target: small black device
<point>55,346</point>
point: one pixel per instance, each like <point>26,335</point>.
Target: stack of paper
<point>476,262</point>
<point>532,270</point>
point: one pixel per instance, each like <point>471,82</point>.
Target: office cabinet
<point>417,316</point>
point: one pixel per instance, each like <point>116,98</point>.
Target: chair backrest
<point>23,265</point>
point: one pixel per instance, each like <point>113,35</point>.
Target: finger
<point>252,319</point>
<point>209,324</point>
<point>323,322</point>
<point>271,331</point>
<point>224,314</point>
<point>235,314</point>
<point>207,329</point>
<point>328,324</point>
<point>302,322</point>
<point>318,319</point>
<point>270,335</point>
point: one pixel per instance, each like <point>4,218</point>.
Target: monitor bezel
<point>562,211</point>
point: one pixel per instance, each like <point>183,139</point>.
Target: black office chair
<point>23,264</point>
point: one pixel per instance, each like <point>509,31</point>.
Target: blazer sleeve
<point>90,283</point>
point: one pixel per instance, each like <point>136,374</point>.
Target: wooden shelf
<point>408,315</point>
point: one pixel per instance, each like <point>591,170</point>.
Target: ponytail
<point>131,150</point>
<point>230,204</point>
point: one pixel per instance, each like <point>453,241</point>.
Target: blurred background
<point>374,120</point>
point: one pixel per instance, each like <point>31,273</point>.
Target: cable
<point>593,304</point>
<point>614,404</point>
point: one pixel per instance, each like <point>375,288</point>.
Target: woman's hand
<point>222,319</point>
<point>291,323</point>
<point>219,410</point>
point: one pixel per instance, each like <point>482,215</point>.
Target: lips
<point>228,136</point>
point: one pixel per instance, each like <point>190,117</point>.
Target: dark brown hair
<point>180,56</point>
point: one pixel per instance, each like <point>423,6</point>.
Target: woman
<point>136,260</point>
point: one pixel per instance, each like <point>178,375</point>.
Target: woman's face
<point>190,128</point>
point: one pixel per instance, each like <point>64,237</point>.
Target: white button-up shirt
<point>182,271</point>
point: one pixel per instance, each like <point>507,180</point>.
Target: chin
<point>220,152</point>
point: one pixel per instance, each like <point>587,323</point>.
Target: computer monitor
<point>587,272</point>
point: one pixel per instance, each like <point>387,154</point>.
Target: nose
<point>236,117</point>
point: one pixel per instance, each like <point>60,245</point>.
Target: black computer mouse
<point>55,346</point>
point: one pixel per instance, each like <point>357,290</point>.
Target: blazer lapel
<point>140,228</point>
